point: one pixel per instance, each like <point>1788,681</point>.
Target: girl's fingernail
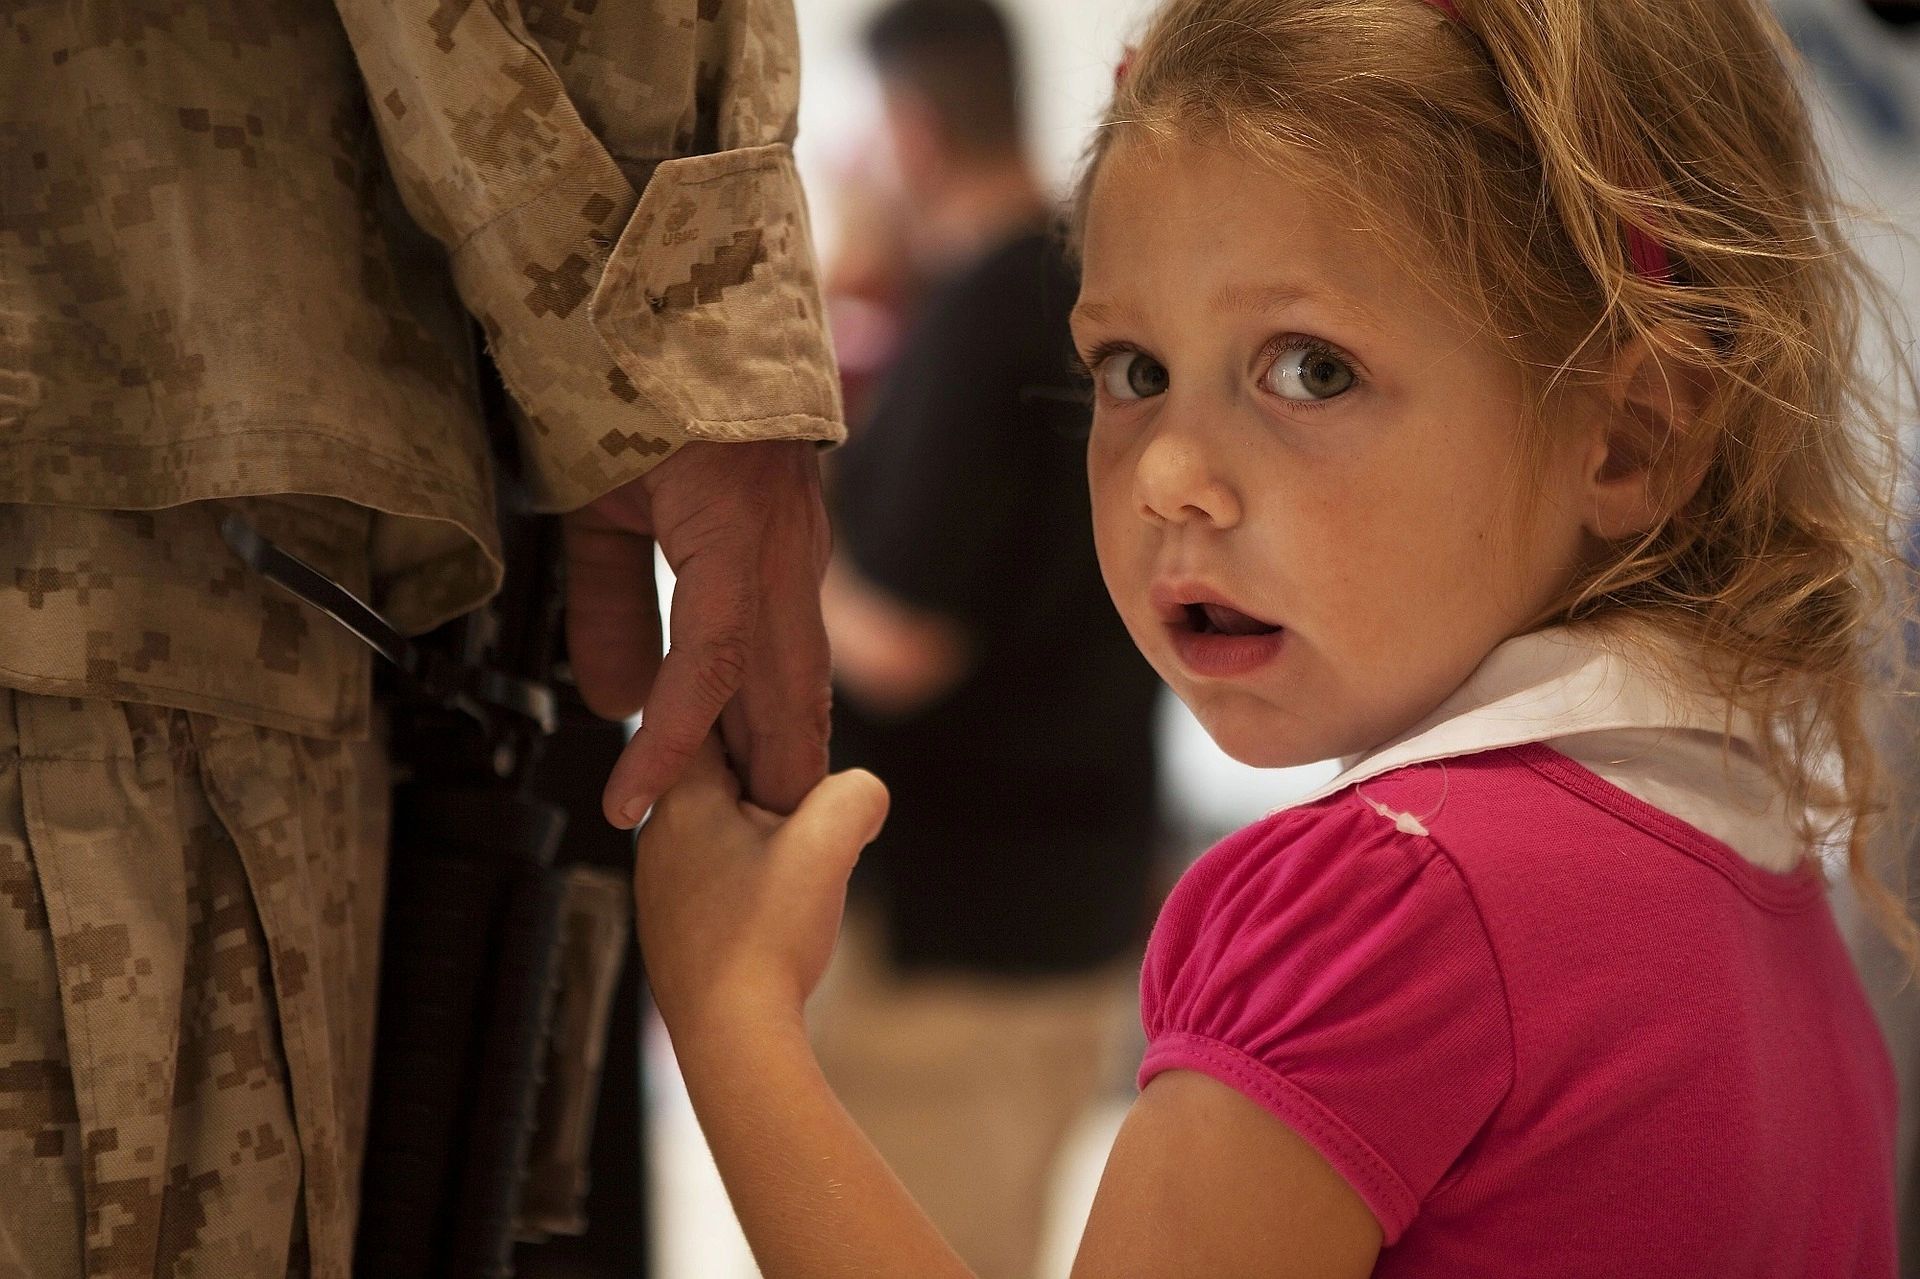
<point>633,814</point>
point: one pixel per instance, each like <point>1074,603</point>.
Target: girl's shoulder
<point>1357,847</point>
<point>1330,963</point>
<point>1522,819</point>
<point>1348,873</point>
<point>1374,966</point>
<point>1430,882</point>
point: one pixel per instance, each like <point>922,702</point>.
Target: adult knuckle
<point>722,667</point>
<point>678,744</point>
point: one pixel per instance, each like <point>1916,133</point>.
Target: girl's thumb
<point>841,815</point>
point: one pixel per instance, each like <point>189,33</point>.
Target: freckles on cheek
<point>1102,481</point>
<point>1344,535</point>
<point>1116,554</point>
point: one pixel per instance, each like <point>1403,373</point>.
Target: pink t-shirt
<point>1562,1033</point>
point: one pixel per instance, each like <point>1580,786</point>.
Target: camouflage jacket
<point>242,247</point>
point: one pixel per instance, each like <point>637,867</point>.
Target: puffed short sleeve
<point>1335,971</point>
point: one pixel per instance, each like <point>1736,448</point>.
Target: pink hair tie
<point>1126,64</point>
<point>1650,258</point>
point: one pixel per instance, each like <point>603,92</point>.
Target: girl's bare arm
<point>738,910</point>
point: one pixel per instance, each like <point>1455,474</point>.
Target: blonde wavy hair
<point>1513,149</point>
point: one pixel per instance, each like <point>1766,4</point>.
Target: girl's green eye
<point>1307,374</point>
<point>1132,375</point>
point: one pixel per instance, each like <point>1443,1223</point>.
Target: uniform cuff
<point>710,302</point>
<point>702,322</point>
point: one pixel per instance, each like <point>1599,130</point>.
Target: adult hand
<point>745,532</point>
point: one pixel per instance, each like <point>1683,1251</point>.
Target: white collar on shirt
<point>1686,752</point>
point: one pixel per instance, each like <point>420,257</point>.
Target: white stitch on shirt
<point>1407,823</point>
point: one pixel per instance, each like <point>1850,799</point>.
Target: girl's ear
<point>1647,459</point>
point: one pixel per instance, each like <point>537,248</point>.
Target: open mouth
<point>1213,640</point>
<point>1219,619</point>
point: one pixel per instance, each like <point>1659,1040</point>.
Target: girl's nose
<point>1177,482</point>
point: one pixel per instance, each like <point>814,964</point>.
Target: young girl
<point>1475,397</point>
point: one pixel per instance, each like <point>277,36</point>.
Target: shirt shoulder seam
<point>1789,892</point>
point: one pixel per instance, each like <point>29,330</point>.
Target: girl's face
<point>1307,480</point>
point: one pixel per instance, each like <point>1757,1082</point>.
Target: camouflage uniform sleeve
<point>615,188</point>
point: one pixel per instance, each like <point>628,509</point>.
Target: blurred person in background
<point>870,284</point>
<point>989,956</point>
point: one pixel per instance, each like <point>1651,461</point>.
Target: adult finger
<point>613,614</point>
<point>715,609</point>
<point>778,726</point>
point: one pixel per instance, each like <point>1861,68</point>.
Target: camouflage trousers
<point>189,915</point>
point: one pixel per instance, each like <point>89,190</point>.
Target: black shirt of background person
<point>1024,817</point>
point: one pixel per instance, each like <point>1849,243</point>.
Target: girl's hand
<point>739,907</point>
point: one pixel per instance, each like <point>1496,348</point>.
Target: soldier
<point>242,248</point>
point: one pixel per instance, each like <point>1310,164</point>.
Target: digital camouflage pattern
<point>240,241</point>
<point>243,248</point>
<point>189,910</point>
<point>152,606</point>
